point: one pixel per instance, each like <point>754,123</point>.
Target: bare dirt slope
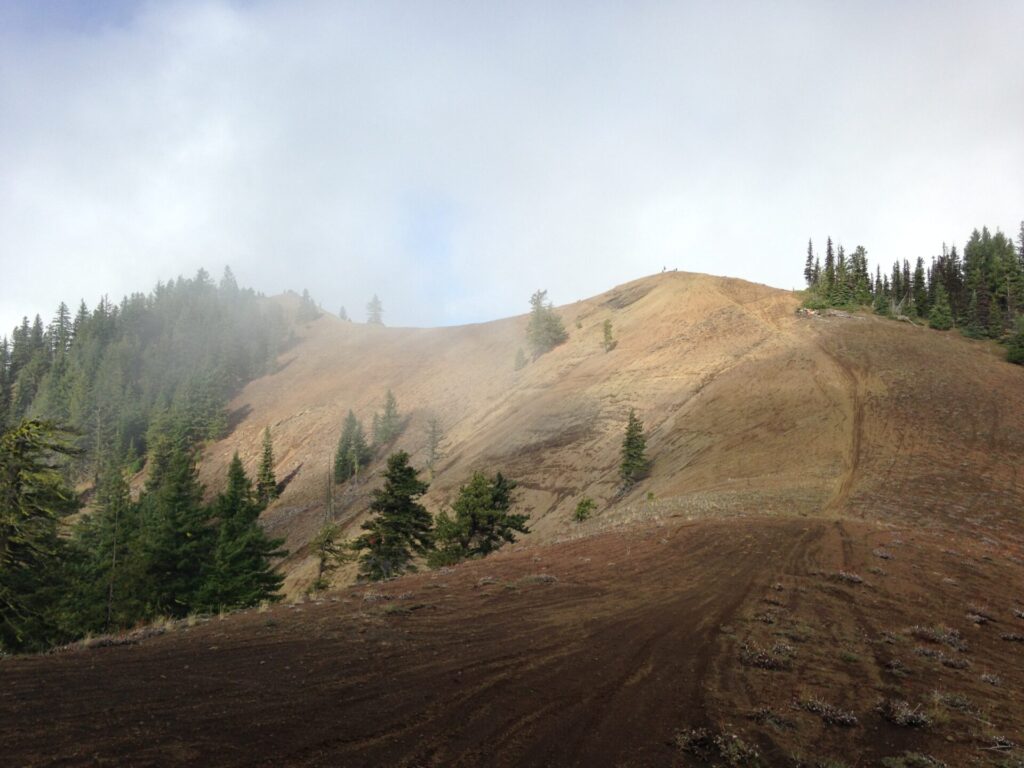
<point>603,651</point>
<point>747,406</point>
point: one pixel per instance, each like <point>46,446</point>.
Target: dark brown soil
<point>591,652</point>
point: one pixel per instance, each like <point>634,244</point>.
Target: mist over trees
<point>162,364</point>
<point>979,291</point>
<point>145,381</point>
<point>375,311</point>
<point>544,330</point>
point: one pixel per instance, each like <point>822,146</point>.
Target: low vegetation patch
<point>912,760</point>
<point>779,657</point>
<point>717,748</point>
<point>939,634</point>
<point>538,578</point>
<point>829,713</point>
<point>846,577</point>
<point>899,712</point>
<point>768,716</point>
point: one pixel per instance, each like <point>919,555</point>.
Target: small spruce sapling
<point>584,509</point>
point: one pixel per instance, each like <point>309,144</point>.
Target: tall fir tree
<point>388,425</point>
<point>375,311</point>
<point>830,268</point>
<point>434,435</point>
<point>241,573</point>
<point>400,527</point>
<point>809,265</point>
<point>178,539</point>
<point>940,317</point>
<point>353,453</point>
<point>634,451</point>
<point>33,498</point>
<point>266,481</point>
<point>544,330</point>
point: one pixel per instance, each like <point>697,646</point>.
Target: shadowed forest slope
<point>748,407</point>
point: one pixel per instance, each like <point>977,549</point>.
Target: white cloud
<point>570,147</point>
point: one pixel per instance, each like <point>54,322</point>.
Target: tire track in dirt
<point>599,667</point>
<point>837,504</point>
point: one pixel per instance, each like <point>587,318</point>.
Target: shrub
<point>584,509</point>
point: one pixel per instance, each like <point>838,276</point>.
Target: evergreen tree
<point>481,521</point>
<point>634,446</point>
<point>520,359</point>
<point>1015,347</point>
<point>178,539</point>
<point>830,268</point>
<point>809,272</point>
<point>941,315</point>
<point>388,425</point>
<point>331,552</point>
<point>545,330</point>
<point>308,309</point>
<point>342,314</point>
<point>352,453</point>
<point>609,343</point>
<point>584,509</point>
<point>400,528</point>
<point>434,436</point>
<point>266,482</point>
<point>241,575</point>
<point>375,311</point>
<point>33,497</point>
<point>919,289</point>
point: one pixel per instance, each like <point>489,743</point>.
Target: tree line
<point>160,364</point>
<point>979,291</point>
<point>163,554</point>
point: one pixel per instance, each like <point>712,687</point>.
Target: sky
<point>454,157</point>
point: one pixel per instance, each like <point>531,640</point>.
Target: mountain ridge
<point>749,408</point>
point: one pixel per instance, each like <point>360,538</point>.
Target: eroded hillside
<point>748,407</point>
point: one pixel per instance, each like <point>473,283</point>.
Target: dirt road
<point>585,653</point>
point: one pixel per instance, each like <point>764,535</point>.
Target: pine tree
<point>941,315</point>
<point>830,268</point>
<point>115,563</point>
<point>266,482</point>
<point>342,314</point>
<point>584,509</point>
<point>545,330</point>
<point>609,343</point>
<point>919,289</point>
<point>388,425</point>
<point>241,575</point>
<point>1015,347</point>
<point>178,539</point>
<point>809,272</point>
<point>375,311</point>
<point>331,552</point>
<point>33,497</point>
<point>352,453</point>
<point>520,359</point>
<point>634,447</point>
<point>434,435</point>
<point>308,309</point>
<point>481,521</point>
<point>400,528</point>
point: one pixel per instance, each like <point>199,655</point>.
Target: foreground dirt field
<point>600,651</point>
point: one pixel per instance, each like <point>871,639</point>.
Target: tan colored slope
<point>748,408</point>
